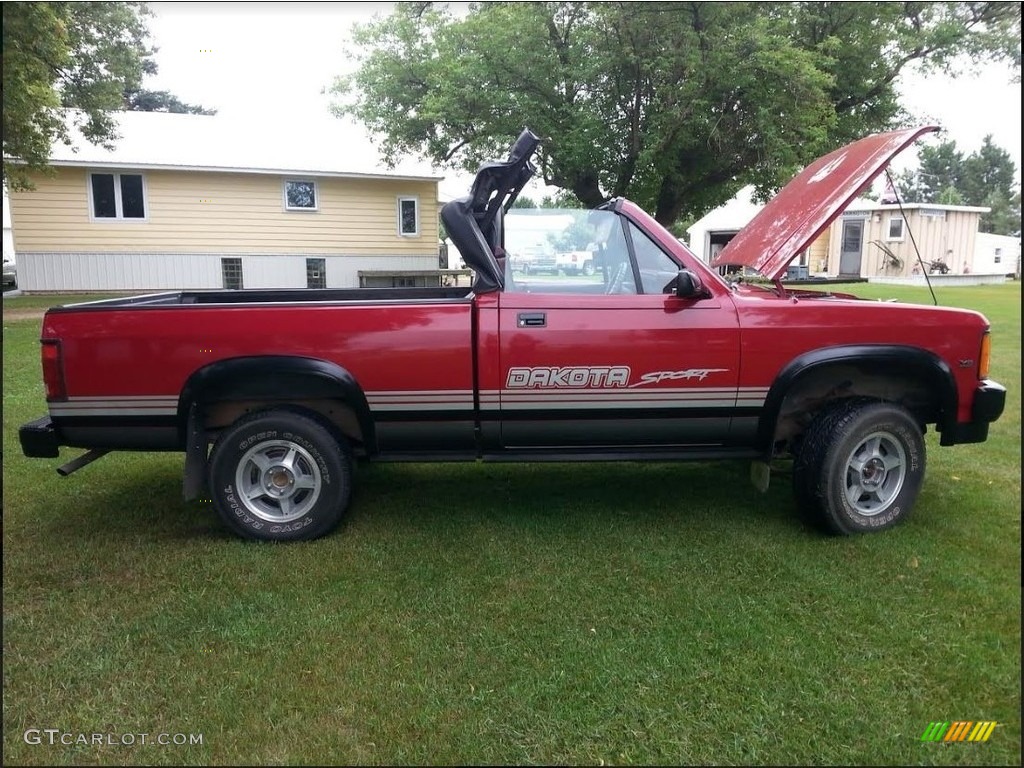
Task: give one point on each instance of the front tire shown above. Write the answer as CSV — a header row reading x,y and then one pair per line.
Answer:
x,y
280,476
860,467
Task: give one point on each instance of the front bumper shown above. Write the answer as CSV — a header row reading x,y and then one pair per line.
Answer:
x,y
988,405
39,439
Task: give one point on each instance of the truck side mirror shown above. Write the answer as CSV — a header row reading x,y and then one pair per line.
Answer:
x,y
686,285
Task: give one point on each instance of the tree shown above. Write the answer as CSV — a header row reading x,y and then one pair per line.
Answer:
x,y
563,198
676,105
989,170
950,196
909,185
80,55
524,202
1004,218
986,177
142,100
941,168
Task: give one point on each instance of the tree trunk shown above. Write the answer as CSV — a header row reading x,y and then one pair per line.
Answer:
x,y
586,187
670,202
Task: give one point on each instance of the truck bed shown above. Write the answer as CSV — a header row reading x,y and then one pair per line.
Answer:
x,y
275,296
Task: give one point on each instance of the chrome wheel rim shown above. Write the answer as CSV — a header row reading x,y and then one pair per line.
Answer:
x,y
875,471
278,481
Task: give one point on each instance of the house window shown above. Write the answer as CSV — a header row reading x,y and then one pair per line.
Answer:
x,y
117,196
997,259
231,273
408,216
316,273
300,195
895,228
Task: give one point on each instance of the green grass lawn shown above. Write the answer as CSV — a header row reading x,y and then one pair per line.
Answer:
x,y
45,301
538,613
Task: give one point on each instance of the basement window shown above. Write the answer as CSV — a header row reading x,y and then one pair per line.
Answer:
x,y
117,196
316,273
231,273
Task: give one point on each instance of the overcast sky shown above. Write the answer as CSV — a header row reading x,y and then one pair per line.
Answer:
x,y
274,61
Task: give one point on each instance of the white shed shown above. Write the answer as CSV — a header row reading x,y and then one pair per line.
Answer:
x,y
995,254
710,233
8,232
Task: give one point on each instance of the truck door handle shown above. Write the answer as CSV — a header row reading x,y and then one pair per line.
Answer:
x,y
532,320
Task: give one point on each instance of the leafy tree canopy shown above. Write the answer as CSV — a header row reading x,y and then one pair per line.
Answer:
x,y
986,177
675,105
524,202
89,56
561,199
142,100
56,55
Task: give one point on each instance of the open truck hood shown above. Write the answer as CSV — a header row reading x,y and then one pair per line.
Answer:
x,y
811,201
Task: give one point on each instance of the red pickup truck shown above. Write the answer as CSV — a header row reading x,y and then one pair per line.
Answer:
x,y
654,356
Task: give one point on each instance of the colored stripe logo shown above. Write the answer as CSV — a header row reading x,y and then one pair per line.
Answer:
x,y
960,730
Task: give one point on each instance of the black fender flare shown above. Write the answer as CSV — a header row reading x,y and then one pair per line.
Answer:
x,y
276,377
890,358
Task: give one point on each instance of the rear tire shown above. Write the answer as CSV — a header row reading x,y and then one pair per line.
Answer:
x,y
860,467
280,476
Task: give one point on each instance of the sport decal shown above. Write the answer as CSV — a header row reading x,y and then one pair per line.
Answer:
x,y
690,373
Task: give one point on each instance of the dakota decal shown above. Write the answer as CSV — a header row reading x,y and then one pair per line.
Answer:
x,y
690,373
568,378
590,377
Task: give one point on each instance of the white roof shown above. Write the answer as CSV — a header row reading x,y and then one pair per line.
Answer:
x,y
864,204
738,212
734,214
324,146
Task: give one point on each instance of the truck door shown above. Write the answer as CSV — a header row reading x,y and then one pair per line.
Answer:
x,y
609,359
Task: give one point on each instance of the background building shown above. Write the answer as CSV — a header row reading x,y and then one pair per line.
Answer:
x,y
873,241
194,201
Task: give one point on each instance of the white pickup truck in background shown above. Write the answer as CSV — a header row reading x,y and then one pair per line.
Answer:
x,y
575,262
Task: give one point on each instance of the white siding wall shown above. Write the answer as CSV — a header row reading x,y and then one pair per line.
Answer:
x,y
731,217
985,255
950,238
8,244
176,271
8,232
343,272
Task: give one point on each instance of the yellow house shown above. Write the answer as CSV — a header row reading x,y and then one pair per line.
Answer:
x,y
194,201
